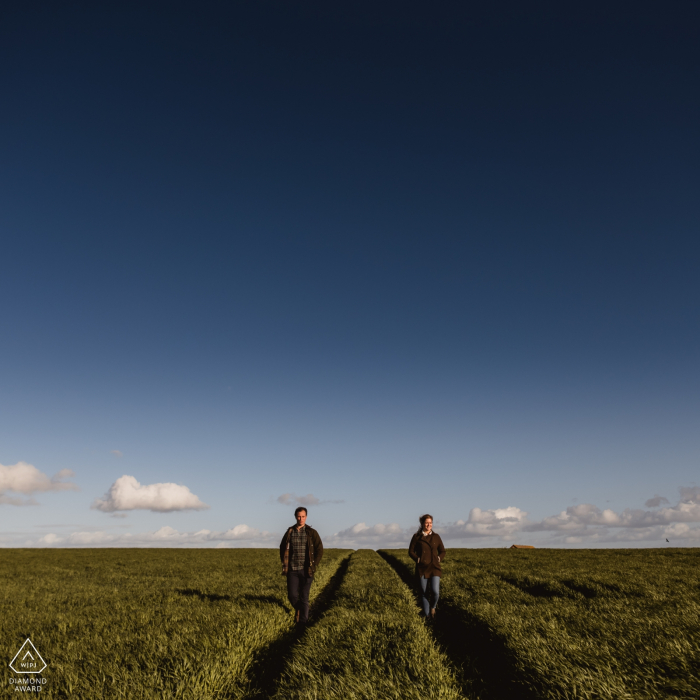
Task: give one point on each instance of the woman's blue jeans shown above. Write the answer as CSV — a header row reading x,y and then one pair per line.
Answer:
x,y
435,588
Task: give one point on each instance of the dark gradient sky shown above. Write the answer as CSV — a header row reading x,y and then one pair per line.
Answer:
x,y
405,256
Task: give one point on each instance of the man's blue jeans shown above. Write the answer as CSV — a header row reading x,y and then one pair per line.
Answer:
x,y
435,588
298,587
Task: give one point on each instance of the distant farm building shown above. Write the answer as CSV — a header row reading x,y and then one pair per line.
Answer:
x,y
521,546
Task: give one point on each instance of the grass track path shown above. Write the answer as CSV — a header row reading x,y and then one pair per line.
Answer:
x,y
370,644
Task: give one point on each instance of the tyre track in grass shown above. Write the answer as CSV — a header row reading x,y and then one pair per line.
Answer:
x,y
484,663
270,663
368,644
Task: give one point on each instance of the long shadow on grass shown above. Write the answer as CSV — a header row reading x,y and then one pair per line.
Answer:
x,y
484,664
271,661
269,599
216,597
210,597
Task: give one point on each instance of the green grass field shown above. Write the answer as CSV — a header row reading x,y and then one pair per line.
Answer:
x,y
159,623
174,623
583,624
370,643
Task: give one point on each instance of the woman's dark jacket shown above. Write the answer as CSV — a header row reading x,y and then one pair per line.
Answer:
x,y
314,551
428,552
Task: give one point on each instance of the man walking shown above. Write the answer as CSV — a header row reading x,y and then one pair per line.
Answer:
x,y
301,550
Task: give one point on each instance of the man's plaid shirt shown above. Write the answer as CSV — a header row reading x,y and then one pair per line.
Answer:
x,y
297,549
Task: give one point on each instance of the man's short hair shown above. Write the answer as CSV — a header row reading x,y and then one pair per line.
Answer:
x,y
299,509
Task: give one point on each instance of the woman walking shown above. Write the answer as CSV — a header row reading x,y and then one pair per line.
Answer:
x,y
427,550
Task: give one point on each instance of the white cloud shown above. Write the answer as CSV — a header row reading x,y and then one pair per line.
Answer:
x,y
574,517
677,534
87,539
290,499
690,494
656,501
681,531
15,501
580,524
117,453
586,514
50,539
27,479
240,535
365,531
64,474
500,522
588,523
126,493
240,532
362,535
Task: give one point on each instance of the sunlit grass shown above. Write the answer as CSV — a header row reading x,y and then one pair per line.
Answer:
x,y
370,644
173,623
120,623
582,623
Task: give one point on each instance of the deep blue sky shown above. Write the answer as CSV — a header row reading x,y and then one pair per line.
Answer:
x,y
408,257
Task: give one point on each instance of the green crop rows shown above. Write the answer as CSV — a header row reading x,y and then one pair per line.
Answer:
x,y
371,643
550,624
573,624
165,623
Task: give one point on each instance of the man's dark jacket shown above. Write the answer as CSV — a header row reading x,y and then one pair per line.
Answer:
x,y
428,552
314,551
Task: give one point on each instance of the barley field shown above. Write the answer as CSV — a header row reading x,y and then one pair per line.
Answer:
x,y
174,623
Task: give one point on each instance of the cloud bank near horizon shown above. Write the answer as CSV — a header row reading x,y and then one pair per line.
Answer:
x,y
586,522
166,536
583,524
